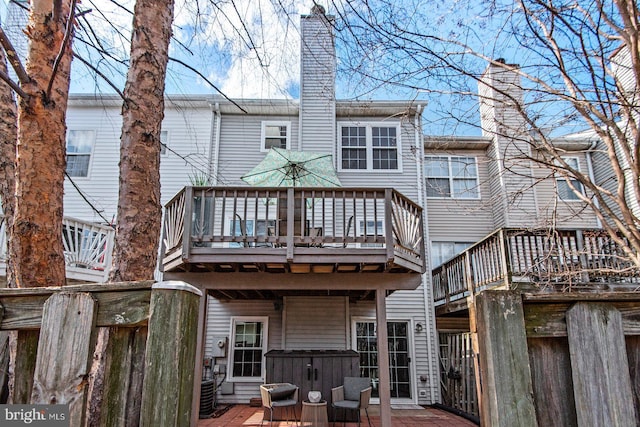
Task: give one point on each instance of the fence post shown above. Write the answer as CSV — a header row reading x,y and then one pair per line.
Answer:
x,y
167,390
64,352
507,389
600,368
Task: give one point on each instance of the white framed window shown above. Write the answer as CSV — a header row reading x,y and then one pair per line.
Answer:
x,y
164,141
276,134
247,348
565,192
79,150
369,147
371,230
453,177
442,252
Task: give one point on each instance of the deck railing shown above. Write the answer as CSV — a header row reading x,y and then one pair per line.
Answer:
x,y
252,217
564,259
87,249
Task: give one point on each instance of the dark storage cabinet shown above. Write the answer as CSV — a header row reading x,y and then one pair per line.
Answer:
x,y
312,370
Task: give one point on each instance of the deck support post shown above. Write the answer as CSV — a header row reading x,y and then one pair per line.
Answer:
x,y
507,389
383,358
202,330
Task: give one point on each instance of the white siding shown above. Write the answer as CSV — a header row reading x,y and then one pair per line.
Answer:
x,y
315,323
189,133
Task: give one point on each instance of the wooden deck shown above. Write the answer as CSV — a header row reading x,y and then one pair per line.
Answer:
x,y
293,230
246,416
534,261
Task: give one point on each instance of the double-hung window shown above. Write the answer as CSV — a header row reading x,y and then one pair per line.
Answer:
x,y
442,252
164,140
565,192
369,147
79,149
248,345
451,177
276,134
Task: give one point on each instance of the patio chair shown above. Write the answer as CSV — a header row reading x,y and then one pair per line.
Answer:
x,y
354,395
279,395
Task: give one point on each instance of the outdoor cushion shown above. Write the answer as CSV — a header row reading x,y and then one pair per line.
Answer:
x,y
282,392
347,404
284,402
353,386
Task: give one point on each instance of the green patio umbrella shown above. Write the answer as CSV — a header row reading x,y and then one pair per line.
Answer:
x,y
286,168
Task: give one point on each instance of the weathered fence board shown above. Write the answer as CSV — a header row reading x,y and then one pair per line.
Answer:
x,y
124,370
64,350
27,348
507,398
601,381
118,304
633,354
170,355
52,363
552,386
549,320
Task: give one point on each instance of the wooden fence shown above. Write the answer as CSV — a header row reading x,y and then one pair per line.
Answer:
x,y
150,356
457,372
558,359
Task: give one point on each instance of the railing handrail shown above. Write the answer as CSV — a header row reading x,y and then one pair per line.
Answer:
x,y
84,253
558,255
215,215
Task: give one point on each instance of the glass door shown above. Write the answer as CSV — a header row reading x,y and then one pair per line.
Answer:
x,y
367,347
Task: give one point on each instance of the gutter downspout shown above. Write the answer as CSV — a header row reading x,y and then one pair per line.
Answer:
x,y
592,176
426,282
214,145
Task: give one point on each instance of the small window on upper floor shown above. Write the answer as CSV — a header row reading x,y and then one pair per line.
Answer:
x,y
164,140
565,184
79,149
453,177
276,134
369,147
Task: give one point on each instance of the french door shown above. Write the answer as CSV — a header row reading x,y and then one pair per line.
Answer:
x,y
399,359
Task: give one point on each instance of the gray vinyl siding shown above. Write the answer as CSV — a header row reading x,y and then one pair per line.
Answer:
x,y
317,84
240,144
219,316
501,120
462,220
410,305
566,214
314,323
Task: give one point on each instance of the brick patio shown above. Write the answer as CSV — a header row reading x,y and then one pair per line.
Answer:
x,y
247,416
